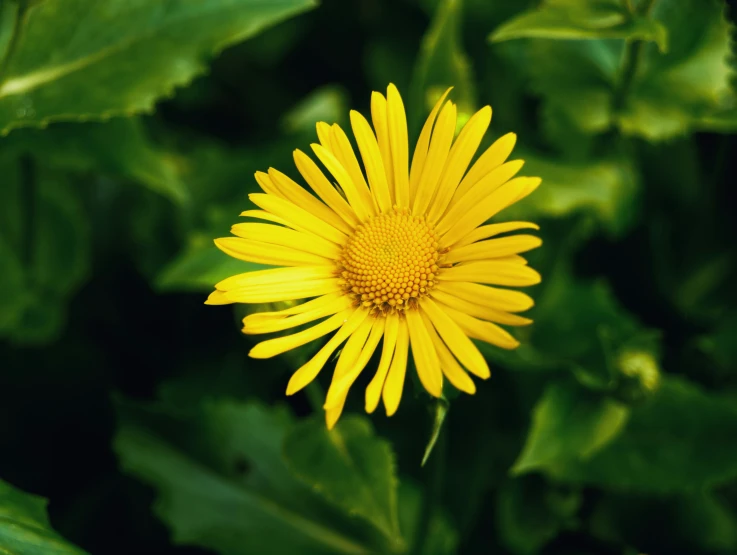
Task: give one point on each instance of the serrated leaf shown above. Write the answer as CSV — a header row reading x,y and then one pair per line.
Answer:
x,y
62,67
670,94
228,489
569,423
25,528
682,440
691,80
581,19
442,63
351,467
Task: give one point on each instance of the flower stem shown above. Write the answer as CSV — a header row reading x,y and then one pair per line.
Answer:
x,y
630,59
433,490
315,396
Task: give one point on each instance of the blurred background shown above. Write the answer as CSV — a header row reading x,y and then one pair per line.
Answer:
x,y
130,134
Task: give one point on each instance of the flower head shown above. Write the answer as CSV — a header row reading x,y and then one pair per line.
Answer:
x,y
389,253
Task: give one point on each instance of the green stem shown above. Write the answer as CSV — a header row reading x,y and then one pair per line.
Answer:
x,y
315,396
630,60
433,491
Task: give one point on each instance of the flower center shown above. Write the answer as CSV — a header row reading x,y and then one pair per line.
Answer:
x,y
390,261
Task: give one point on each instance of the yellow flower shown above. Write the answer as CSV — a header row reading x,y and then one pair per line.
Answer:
x,y
393,251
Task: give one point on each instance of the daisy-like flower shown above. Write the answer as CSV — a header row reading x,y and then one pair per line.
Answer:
x,y
388,253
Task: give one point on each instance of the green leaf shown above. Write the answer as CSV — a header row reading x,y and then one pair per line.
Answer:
x,y
579,326
61,67
674,91
442,63
227,487
669,94
12,286
119,148
530,513
25,528
45,249
720,344
440,538
569,423
351,468
61,241
581,19
723,121
328,104
693,523
606,188
200,266
681,440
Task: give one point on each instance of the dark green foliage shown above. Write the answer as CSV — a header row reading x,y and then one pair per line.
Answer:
x,y
131,130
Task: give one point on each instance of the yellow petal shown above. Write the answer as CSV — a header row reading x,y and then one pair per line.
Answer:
x,y
479,311
273,347
478,329
486,231
296,215
463,150
492,158
297,195
455,338
263,215
217,298
323,188
485,187
275,292
348,320
493,248
340,174
344,153
276,276
372,160
374,389
276,235
381,125
333,414
267,185
442,137
295,309
493,272
351,364
424,355
491,297
323,134
487,208
263,253
399,144
394,385
451,368
270,325
423,142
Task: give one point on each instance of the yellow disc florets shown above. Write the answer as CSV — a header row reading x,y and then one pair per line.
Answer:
x,y
390,261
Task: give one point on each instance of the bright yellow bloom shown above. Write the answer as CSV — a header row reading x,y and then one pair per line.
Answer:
x,y
388,251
